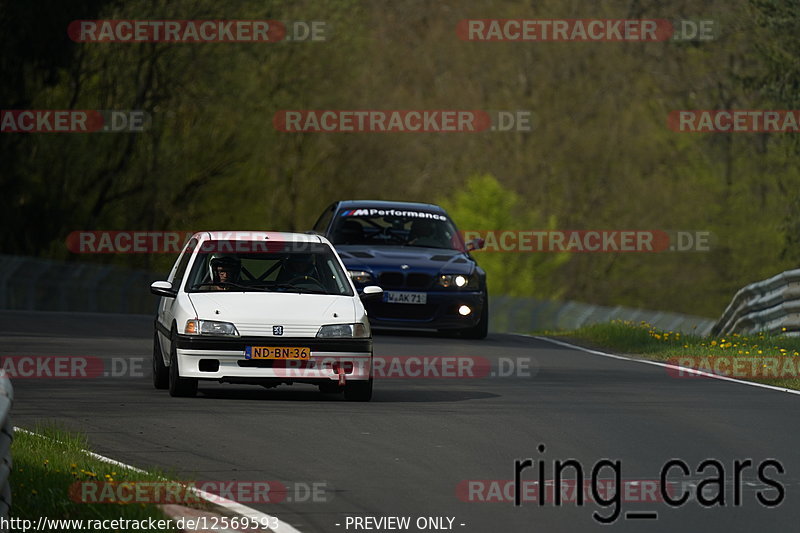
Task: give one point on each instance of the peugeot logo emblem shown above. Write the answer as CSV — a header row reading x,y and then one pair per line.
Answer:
x,y
404,267
277,330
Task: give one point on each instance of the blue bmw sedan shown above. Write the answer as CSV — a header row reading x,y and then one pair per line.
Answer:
x,y
416,254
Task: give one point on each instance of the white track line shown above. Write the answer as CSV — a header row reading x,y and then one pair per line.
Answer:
x,y
232,506
658,363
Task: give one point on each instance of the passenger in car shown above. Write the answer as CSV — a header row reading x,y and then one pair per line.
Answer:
x,y
425,232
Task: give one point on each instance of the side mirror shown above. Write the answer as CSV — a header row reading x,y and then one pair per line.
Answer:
x,y
475,244
371,293
163,288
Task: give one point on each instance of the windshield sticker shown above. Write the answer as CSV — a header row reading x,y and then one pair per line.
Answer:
x,y
390,212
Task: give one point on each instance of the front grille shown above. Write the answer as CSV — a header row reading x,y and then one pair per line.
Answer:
x,y
402,311
391,280
418,281
399,280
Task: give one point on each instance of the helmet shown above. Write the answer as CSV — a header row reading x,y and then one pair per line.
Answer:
x,y
299,265
228,263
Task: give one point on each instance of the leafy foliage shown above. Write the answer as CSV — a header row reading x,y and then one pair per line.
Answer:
x,y
600,155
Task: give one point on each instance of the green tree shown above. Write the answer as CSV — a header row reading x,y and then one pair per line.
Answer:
x,y
483,204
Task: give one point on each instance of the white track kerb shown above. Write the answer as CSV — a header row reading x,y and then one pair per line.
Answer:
x,y
658,363
234,507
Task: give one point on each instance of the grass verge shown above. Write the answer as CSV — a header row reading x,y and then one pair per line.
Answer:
x,y
762,358
48,463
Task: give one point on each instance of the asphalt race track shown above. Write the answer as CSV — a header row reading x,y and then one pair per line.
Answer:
x,y
407,452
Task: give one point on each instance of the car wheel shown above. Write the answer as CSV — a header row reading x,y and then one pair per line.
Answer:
x,y
481,329
178,386
160,371
358,391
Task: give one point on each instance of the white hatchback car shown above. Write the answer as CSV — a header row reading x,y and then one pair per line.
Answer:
x,y
262,308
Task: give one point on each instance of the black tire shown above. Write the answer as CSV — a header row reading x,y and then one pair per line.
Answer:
x,y
358,391
481,329
178,386
160,371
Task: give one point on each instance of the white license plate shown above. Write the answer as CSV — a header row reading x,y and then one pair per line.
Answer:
x,y
405,297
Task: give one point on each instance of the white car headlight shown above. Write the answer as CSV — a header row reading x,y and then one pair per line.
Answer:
x,y
210,327
344,330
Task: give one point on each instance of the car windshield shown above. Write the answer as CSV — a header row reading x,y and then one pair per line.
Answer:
x,y
386,227
308,268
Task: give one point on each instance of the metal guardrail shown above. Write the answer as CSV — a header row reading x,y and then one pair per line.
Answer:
x,y
32,284
6,436
514,315
770,306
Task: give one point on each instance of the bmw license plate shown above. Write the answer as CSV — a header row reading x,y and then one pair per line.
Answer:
x,y
405,297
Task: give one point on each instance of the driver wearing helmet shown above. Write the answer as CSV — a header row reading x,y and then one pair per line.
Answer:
x,y
224,269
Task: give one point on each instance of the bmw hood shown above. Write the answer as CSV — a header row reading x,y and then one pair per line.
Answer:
x,y
431,260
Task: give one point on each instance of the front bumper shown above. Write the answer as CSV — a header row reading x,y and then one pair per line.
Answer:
x,y
223,359
440,311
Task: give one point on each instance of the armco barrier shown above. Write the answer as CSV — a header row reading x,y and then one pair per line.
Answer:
x,y
508,315
32,284
6,435
770,305
43,285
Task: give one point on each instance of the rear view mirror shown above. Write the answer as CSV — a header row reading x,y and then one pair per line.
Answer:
x,y
371,293
163,288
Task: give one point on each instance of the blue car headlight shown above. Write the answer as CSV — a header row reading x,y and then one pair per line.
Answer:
x,y
362,277
457,281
